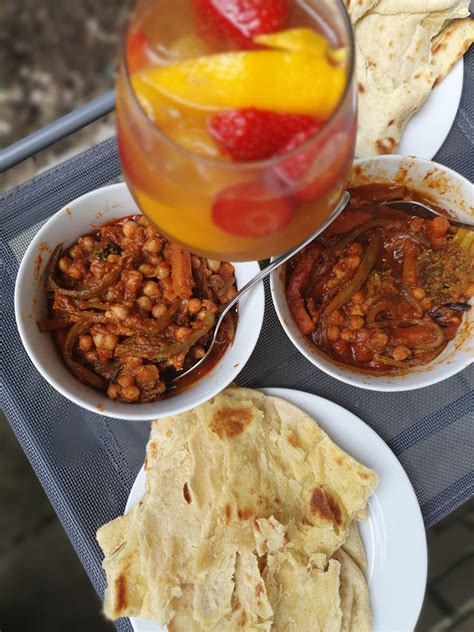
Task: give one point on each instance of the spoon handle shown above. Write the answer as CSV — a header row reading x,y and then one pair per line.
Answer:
x,y
278,261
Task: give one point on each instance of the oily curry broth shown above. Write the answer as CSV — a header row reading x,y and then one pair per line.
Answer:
x,y
382,290
129,311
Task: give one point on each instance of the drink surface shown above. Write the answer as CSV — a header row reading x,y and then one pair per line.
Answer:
x,y
236,121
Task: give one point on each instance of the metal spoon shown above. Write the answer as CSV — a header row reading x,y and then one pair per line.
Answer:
x,y
426,212
278,261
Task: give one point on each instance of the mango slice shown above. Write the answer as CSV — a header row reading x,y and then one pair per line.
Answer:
x,y
280,81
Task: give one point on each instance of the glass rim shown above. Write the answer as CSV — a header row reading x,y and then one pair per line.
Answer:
x,y
251,164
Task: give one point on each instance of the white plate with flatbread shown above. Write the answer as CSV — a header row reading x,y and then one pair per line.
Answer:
x,y
429,127
394,533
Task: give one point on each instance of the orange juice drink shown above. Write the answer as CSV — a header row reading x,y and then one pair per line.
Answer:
x,y
236,120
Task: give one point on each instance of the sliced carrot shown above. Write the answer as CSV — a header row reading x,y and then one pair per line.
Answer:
x,y
347,221
409,269
181,274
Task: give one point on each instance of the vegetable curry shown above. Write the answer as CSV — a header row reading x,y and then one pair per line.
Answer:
x,y
129,310
382,290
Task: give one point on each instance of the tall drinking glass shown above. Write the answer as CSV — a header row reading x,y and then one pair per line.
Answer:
x,y
186,76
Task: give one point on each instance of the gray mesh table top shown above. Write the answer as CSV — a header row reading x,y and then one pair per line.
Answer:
x,y
87,463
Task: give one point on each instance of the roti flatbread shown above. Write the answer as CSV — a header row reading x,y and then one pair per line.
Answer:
x,y
244,495
398,62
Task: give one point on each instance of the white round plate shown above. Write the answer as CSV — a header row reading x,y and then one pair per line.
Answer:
x,y
428,128
394,534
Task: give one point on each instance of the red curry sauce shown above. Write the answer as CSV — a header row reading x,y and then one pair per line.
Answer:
x,y
380,289
130,311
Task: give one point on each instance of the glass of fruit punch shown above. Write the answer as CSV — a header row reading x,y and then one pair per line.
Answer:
x,y
236,120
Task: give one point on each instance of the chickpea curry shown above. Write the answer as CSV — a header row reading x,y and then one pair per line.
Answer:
x,y
129,310
382,290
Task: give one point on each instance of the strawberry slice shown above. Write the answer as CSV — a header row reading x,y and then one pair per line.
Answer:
x,y
242,20
247,211
136,51
315,170
249,134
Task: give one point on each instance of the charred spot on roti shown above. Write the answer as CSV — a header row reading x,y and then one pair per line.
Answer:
x,y
152,449
319,505
230,422
121,593
385,145
361,87
245,513
145,465
243,618
259,589
228,513
325,505
187,494
293,440
335,507
362,475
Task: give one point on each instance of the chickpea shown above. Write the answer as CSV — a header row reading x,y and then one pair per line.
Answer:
x,y
151,231
378,340
199,352
147,376
362,335
76,251
143,221
356,310
355,248
358,298
213,265
346,335
145,303
119,311
163,270
419,293
87,243
98,339
341,347
64,263
353,262
336,318
86,343
439,226
332,283
109,342
125,381
129,228
333,333
76,271
151,288
427,303
339,272
194,305
159,310
113,258
195,262
133,362
130,393
133,279
400,352
356,322
229,295
113,391
153,245
182,333
147,270
155,260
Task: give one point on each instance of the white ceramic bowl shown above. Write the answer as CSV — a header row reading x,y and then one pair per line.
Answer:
x,y
76,219
451,191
